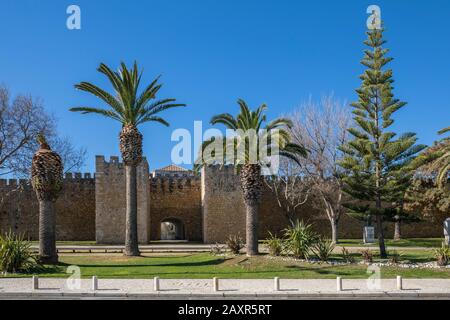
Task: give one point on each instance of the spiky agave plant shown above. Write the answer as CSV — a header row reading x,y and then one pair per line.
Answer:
x,y
47,181
251,147
131,109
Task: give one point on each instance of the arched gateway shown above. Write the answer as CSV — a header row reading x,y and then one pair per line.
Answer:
x,y
172,229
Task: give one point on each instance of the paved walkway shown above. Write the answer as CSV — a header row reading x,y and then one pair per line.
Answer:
x,y
21,288
148,248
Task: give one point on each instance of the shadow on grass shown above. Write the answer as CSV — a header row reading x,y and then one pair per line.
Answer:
x,y
175,264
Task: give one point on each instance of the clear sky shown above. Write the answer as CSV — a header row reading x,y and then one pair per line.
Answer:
x,y
211,52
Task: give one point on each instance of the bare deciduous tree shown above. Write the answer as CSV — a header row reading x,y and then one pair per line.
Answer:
x,y
290,187
322,128
21,119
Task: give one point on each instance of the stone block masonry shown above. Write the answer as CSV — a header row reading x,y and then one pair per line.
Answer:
x,y
223,213
110,201
176,199
75,208
209,208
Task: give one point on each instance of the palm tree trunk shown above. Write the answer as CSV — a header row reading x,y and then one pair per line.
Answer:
x,y
252,208
47,233
131,237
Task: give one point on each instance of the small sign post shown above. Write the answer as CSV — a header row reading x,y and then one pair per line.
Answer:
x,y
447,231
369,235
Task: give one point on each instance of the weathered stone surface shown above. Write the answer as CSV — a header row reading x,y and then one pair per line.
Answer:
x,y
210,208
178,199
110,201
75,208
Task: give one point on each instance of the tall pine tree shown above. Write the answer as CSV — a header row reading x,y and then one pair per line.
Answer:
x,y
377,161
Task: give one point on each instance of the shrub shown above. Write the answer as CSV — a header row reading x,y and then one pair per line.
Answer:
x,y
216,249
346,255
394,257
367,255
15,254
300,239
274,244
323,249
235,244
442,254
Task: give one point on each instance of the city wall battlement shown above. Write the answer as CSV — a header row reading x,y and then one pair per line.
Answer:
x,y
208,207
70,177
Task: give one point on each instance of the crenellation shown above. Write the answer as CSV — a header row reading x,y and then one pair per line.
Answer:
x,y
75,209
114,160
170,184
110,200
209,206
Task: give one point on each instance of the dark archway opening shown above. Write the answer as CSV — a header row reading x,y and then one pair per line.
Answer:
x,y
172,229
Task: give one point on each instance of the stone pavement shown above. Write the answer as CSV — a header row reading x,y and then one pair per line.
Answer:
x,y
51,288
149,248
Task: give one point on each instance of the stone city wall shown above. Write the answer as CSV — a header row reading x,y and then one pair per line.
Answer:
x,y
210,208
224,213
176,198
110,201
75,208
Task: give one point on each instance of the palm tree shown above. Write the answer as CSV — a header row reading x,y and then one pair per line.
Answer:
x,y
441,163
47,180
130,109
247,147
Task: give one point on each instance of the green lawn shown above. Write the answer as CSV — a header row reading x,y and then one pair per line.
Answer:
x,y
204,265
416,242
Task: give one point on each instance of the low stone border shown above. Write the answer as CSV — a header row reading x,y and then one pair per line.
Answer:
x,y
423,265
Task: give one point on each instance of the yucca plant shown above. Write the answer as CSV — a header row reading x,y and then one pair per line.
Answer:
x,y
300,239
251,147
235,243
367,255
323,248
442,254
16,254
347,256
395,256
274,244
131,108
47,181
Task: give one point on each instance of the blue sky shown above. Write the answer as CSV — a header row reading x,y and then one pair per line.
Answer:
x,y
211,52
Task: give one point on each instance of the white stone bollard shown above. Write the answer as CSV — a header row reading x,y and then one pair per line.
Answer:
x,y
216,284
94,283
399,283
276,284
156,283
35,283
339,284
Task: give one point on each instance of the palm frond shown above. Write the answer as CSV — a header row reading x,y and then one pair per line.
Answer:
x,y
106,113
